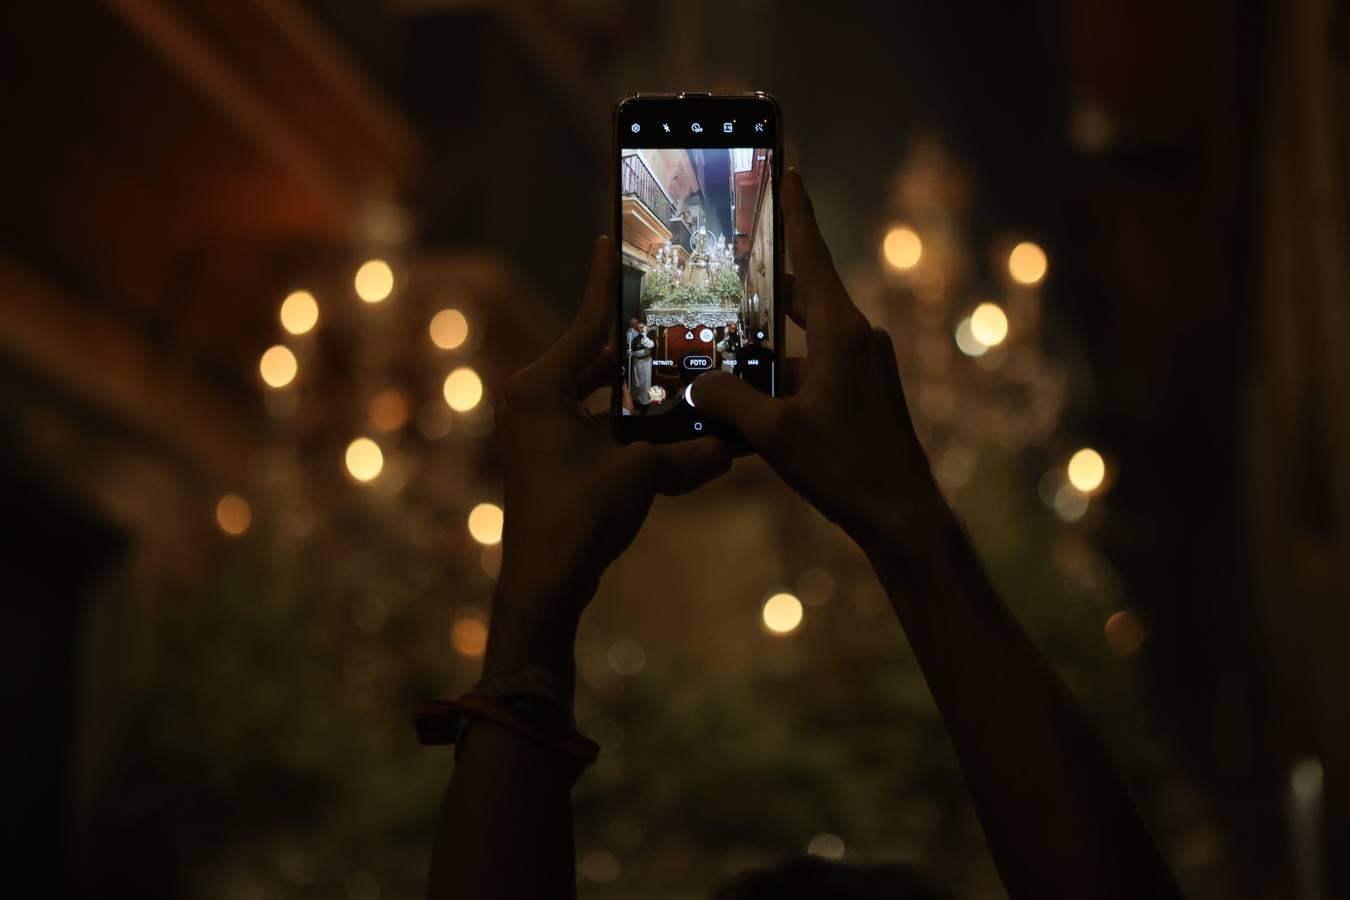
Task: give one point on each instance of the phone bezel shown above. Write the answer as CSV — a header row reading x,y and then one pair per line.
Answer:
x,y
684,423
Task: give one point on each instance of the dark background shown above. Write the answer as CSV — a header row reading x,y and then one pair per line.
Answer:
x,y
199,714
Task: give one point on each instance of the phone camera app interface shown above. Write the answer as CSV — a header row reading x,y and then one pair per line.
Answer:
x,y
698,271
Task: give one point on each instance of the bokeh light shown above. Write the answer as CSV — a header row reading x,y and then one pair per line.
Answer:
x,y
364,459
782,613
1307,779
485,523
388,410
361,885
1049,486
599,676
627,657
989,324
299,312
297,867
449,329
1027,263
463,389
233,515
599,865
966,341
869,598
1124,633
374,281
469,632
606,732
815,587
278,366
490,560
1086,470
827,846
902,247
433,420
369,612
627,829
1070,504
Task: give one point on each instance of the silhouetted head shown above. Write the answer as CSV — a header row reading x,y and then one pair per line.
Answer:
x,y
813,878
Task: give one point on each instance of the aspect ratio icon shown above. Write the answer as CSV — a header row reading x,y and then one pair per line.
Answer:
x,y
696,128
726,126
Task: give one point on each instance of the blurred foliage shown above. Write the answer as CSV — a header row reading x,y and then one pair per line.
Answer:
x,y
273,751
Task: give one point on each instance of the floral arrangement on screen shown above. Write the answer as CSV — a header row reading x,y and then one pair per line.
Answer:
x,y
664,290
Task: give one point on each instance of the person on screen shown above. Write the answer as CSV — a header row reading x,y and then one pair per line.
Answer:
x,y
756,362
640,367
634,329
1057,819
729,346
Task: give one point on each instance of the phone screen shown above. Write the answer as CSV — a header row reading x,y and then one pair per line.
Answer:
x,y
699,233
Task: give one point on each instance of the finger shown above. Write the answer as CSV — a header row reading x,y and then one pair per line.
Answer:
x,y
811,261
886,376
883,351
586,336
600,372
726,398
674,469
795,369
796,308
827,303
886,367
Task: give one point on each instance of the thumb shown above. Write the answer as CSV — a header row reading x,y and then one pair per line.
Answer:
x,y
725,398
676,468
688,465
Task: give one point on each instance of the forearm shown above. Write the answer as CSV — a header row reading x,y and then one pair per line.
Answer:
x,y
1057,818
506,825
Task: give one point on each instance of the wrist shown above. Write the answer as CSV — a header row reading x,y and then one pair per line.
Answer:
x,y
534,623
547,562
909,529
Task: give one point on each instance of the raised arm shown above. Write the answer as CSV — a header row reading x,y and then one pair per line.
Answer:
x,y
574,500
1054,812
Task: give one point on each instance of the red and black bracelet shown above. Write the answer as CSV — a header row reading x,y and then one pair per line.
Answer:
x,y
442,722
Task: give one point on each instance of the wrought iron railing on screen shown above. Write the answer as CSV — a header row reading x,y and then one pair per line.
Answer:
x,y
637,181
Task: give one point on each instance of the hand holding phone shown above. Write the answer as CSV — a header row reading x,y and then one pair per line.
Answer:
x,y
844,441
574,497
700,262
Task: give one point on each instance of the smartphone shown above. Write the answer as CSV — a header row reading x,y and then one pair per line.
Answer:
x,y
696,181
